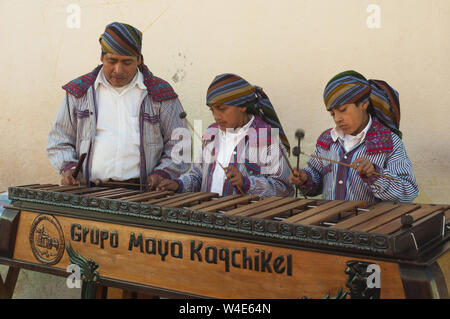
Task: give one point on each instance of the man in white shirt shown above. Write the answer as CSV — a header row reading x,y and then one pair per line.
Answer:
x,y
121,116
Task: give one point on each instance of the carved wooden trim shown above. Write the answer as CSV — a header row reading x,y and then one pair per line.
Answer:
x,y
210,223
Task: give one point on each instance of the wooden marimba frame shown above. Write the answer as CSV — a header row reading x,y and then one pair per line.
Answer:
x,y
239,246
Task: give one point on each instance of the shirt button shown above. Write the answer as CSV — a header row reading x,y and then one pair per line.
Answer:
x,y
345,156
340,182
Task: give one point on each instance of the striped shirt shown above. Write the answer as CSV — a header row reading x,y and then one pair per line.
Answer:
x,y
385,151
264,169
74,130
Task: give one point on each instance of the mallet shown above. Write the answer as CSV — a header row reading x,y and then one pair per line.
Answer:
x,y
296,151
348,165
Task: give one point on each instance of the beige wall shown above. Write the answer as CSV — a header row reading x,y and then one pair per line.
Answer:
x,y
291,48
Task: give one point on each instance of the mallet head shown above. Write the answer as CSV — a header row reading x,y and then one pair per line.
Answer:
x,y
299,134
183,115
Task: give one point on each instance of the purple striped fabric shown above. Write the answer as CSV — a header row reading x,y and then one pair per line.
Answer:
x,y
335,181
151,118
66,166
70,137
122,39
199,177
82,113
157,88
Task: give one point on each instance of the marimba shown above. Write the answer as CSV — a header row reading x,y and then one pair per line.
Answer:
x,y
239,246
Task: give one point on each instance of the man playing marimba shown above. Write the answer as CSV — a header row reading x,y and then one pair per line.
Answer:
x,y
234,146
366,140
120,115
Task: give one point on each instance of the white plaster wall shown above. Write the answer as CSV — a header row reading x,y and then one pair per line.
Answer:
x,y
291,48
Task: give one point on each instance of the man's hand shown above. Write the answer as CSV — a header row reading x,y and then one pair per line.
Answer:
x,y
298,178
235,176
167,185
67,178
153,181
364,166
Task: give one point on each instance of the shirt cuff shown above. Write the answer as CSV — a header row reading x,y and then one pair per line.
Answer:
x,y
246,184
161,173
180,185
308,185
67,166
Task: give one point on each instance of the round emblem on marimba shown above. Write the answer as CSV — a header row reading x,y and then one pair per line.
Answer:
x,y
47,239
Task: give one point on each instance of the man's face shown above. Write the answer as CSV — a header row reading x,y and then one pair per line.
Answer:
x,y
351,119
119,69
228,116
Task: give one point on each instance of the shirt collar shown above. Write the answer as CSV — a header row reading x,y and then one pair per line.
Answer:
x,y
337,133
138,80
239,131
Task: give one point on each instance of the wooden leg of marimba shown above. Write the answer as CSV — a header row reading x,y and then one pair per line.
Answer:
x,y
118,293
2,288
146,296
101,292
7,287
115,293
104,292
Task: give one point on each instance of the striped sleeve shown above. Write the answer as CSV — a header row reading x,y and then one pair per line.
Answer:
x,y
397,165
170,120
274,184
314,184
61,148
191,181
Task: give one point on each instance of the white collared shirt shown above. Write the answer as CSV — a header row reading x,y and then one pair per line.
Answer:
x,y
227,143
116,145
349,142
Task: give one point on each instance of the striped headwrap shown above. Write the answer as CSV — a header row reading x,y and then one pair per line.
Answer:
x,y
351,87
121,39
231,89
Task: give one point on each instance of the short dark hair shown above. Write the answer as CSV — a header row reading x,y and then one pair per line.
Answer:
x,y
250,107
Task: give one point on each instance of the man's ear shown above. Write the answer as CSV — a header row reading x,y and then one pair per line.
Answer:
x,y
139,62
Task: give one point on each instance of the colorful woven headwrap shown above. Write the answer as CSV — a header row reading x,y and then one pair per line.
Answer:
x,y
231,89
351,87
121,39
